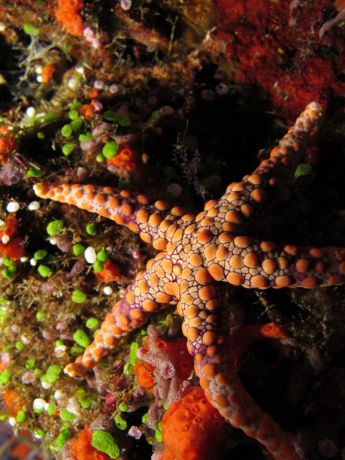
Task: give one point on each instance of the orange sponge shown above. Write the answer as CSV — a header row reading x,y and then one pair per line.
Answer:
x,y
192,428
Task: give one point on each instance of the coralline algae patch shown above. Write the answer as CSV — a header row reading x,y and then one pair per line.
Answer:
x,y
59,270
290,49
49,313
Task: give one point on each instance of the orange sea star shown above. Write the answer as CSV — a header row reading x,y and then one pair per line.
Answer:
x,y
199,251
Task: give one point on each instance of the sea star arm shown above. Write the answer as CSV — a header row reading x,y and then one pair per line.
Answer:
x,y
151,291
151,219
244,199
207,341
254,263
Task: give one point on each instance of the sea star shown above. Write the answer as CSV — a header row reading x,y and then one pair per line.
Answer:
x,y
196,253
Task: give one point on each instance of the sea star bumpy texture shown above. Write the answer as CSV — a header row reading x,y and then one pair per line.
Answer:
x,y
196,253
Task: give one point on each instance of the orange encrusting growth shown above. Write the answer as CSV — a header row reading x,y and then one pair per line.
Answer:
x,y
261,37
68,15
47,73
8,143
13,401
87,111
109,273
14,248
125,159
192,428
177,350
144,374
340,4
21,451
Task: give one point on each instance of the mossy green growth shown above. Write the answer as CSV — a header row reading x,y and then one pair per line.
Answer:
x,y
102,256
75,105
92,323
21,416
81,338
41,315
39,433
67,131
159,433
3,314
79,296
90,229
128,369
76,350
49,117
8,262
73,114
30,29
98,266
54,227
67,416
44,270
303,169
62,437
5,376
52,374
76,124
8,273
34,172
40,254
85,401
67,149
30,363
110,149
19,346
80,393
78,249
88,402
120,422
123,407
104,442
84,137
51,409
133,353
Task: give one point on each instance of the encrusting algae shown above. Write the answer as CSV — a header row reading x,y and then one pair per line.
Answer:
x,y
169,100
